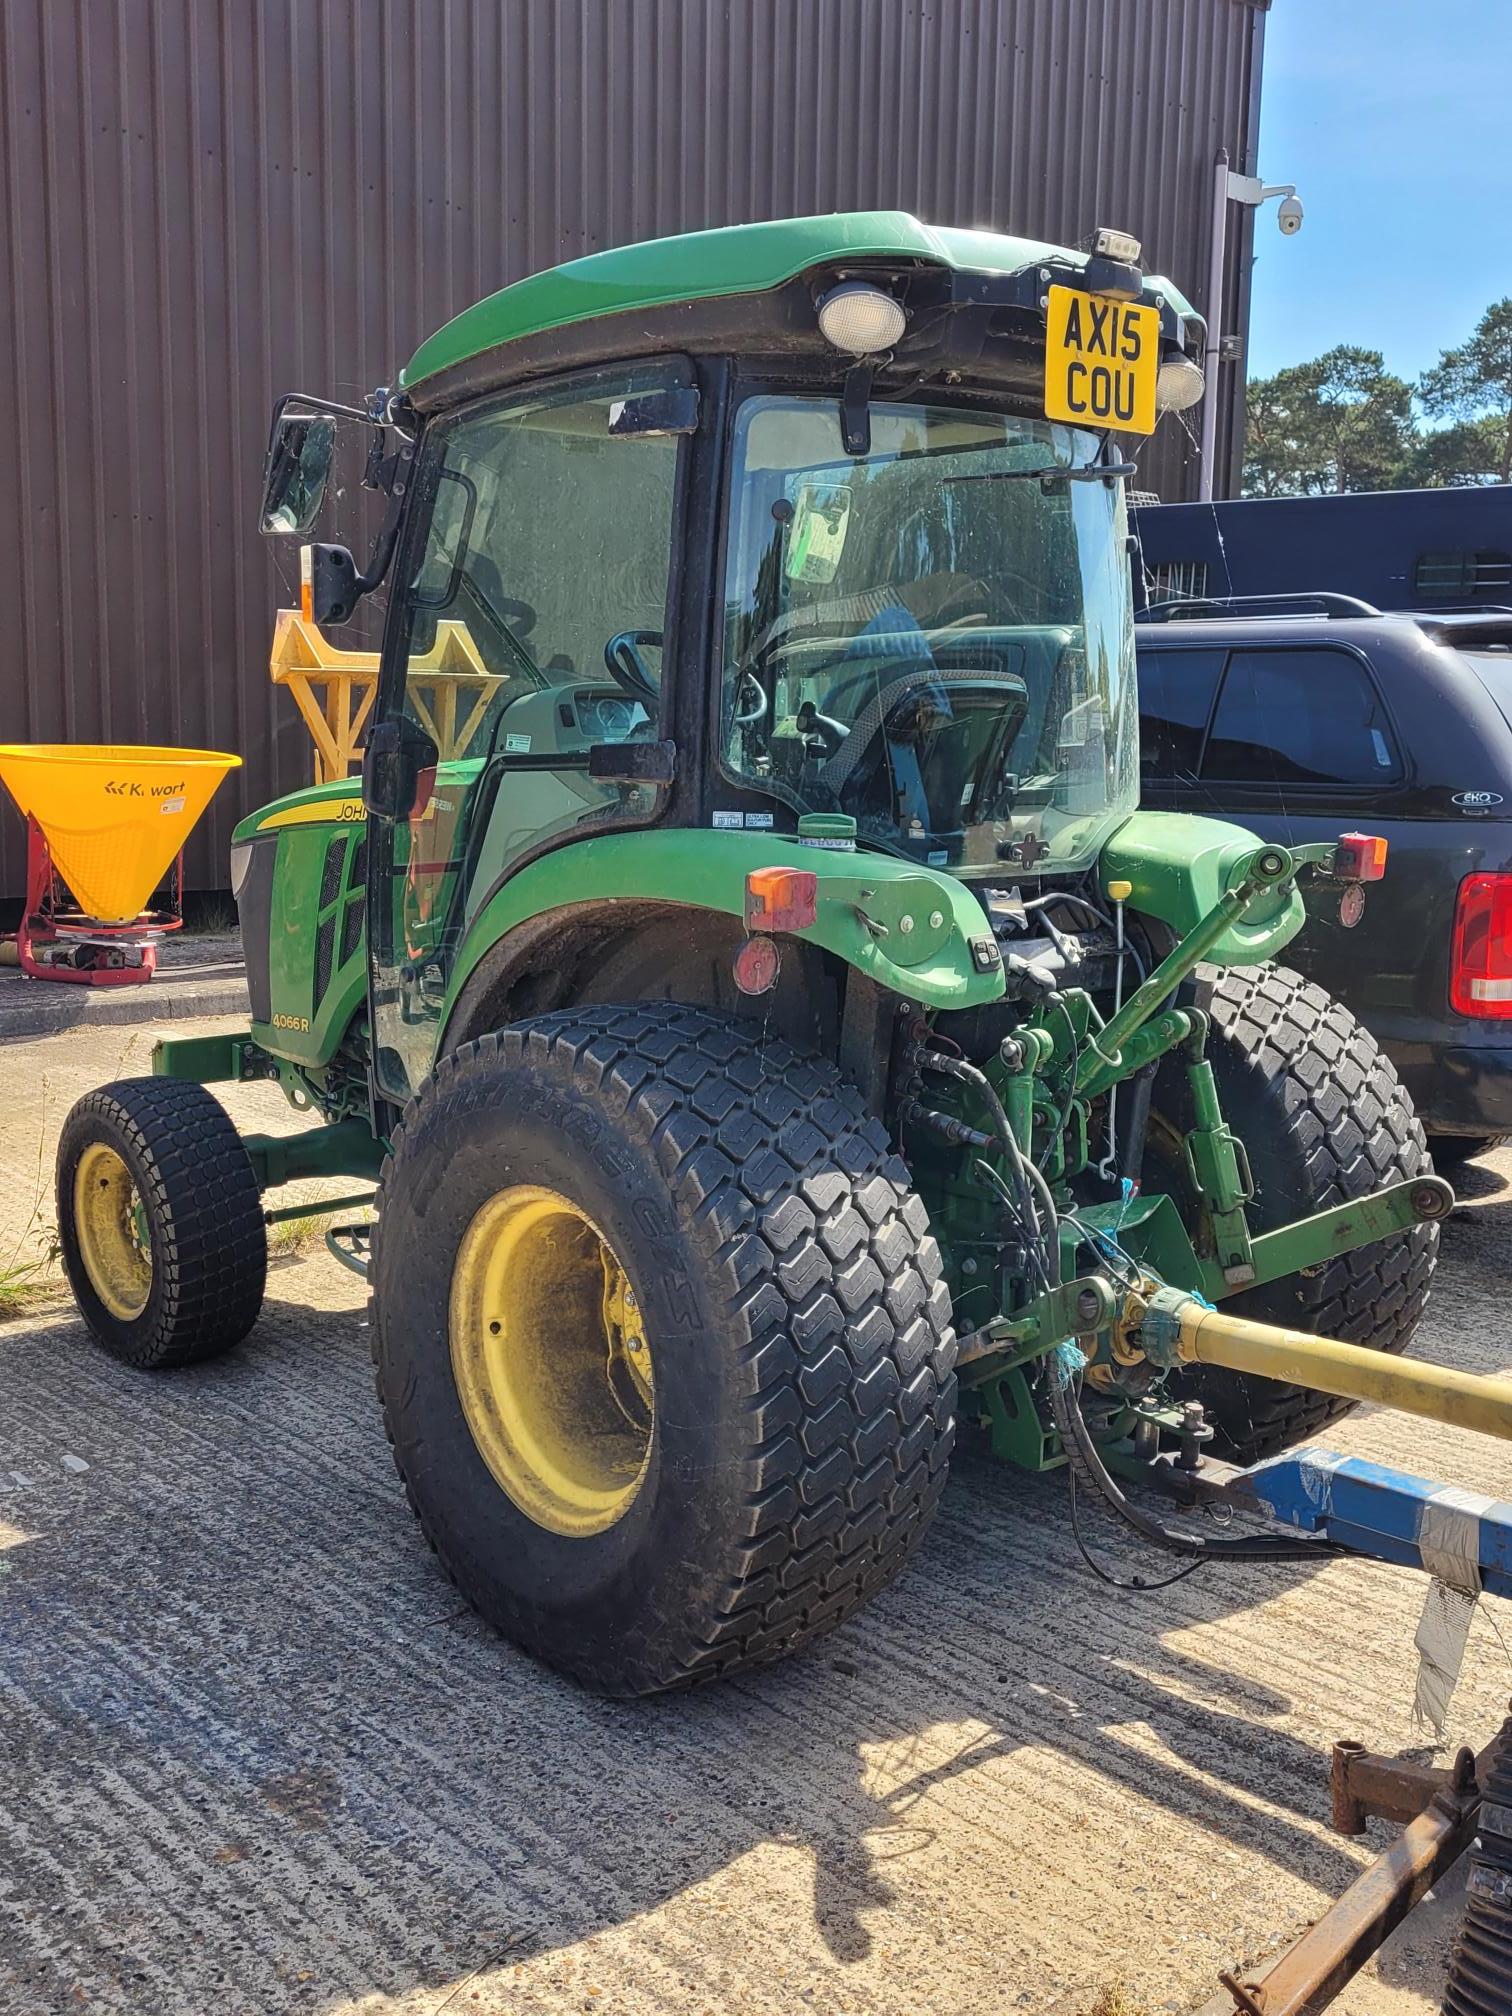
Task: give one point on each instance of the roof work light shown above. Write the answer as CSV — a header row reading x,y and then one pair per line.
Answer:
x,y
863,320
1178,384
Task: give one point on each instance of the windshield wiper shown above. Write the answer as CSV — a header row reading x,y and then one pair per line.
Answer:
x,y
1090,472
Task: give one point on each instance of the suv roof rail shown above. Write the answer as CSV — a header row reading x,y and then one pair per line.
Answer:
x,y
1320,602
1460,609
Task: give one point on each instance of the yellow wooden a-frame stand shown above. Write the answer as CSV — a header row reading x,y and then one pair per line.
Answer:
x,y
448,689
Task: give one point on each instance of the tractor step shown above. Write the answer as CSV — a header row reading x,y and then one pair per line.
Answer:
x,y
352,1245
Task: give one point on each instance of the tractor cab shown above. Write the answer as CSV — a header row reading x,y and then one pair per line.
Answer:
x,y
811,529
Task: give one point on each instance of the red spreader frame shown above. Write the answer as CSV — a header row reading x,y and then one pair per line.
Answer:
x,y
57,942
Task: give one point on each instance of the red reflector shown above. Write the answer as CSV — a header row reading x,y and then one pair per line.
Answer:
x,y
1480,979
1360,857
781,899
757,964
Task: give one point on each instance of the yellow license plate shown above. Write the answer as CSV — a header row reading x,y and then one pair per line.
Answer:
x,y
1101,361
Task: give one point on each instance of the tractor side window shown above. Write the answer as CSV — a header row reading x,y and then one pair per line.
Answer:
x,y
544,573
533,621
1300,718
1176,691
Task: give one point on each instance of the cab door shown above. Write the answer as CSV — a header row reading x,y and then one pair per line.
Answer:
x,y
529,626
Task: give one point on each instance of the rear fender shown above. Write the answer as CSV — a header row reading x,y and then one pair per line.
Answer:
x,y
916,933
1181,864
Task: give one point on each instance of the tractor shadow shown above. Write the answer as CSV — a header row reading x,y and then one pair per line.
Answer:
x,y
1475,1181
262,1758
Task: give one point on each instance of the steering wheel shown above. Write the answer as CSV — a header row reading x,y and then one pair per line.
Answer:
x,y
627,668
751,702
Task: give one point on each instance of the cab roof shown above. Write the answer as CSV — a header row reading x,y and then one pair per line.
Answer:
x,y
708,265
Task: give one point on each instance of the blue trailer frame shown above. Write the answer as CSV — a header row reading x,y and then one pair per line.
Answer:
x,y
1386,1515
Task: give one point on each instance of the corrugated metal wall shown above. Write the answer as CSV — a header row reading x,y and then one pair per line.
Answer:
x,y
207,202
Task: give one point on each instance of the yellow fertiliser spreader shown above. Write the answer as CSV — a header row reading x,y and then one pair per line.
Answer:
x,y
109,822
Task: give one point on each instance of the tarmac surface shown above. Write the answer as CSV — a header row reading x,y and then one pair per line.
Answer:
x,y
199,974
255,1756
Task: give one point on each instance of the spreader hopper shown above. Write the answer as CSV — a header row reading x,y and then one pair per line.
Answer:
x,y
109,820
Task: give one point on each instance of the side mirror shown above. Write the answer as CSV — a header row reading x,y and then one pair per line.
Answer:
x,y
396,756
298,466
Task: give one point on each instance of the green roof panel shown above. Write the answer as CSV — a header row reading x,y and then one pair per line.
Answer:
x,y
702,265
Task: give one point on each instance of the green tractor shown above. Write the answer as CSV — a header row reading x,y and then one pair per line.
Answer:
x,y
773,1027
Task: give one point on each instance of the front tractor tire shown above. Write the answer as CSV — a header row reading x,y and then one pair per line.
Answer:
x,y
160,1222
661,1339
1323,1117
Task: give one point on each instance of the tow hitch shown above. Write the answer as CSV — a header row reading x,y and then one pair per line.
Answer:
x,y
1464,1540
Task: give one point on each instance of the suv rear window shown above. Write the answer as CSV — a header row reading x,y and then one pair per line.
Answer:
x,y
1299,717
1175,699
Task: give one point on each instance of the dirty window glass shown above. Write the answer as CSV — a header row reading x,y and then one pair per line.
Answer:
x,y
934,637
535,616
1300,717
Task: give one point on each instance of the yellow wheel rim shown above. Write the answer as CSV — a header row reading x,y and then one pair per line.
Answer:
x,y
553,1369
111,1223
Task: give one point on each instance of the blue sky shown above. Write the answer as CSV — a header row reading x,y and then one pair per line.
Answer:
x,y
1391,116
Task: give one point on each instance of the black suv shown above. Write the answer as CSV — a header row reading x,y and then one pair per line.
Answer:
x,y
1301,717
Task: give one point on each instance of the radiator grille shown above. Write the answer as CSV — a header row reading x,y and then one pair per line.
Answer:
x,y
351,926
324,945
330,881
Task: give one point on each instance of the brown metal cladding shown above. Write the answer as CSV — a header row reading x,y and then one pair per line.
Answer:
x,y
204,203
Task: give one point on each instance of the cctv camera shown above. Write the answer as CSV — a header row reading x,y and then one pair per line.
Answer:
x,y
1289,216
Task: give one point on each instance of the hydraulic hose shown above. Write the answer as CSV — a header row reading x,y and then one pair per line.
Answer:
x,y
981,1084
1082,1454
1081,1450
1023,1170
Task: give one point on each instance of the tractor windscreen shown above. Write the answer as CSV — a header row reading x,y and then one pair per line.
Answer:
x,y
935,637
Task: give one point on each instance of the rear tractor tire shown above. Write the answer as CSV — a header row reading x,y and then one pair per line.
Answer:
x,y
661,1339
160,1222
1323,1117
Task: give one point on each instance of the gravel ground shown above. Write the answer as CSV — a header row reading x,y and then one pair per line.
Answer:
x,y
254,1757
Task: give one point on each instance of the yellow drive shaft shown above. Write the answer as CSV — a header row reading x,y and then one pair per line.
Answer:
x,y
1462,1399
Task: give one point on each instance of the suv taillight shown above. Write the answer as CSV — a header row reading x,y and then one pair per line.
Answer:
x,y
1480,978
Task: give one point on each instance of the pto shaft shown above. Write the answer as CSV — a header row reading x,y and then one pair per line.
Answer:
x,y
1462,1399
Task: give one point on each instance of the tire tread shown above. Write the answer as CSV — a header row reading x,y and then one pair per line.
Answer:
x,y
1315,1072
197,1183
808,1218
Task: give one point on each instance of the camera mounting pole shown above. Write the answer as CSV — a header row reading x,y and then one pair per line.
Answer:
x,y
1252,192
